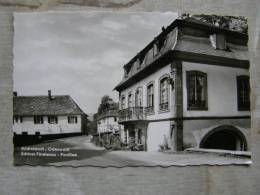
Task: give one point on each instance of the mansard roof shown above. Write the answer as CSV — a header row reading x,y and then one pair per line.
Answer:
x,y
43,105
187,40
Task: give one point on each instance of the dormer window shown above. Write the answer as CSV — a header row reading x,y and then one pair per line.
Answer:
x,y
127,70
218,41
155,48
141,59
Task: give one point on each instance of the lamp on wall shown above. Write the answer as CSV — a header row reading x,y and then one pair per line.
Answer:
x,y
171,78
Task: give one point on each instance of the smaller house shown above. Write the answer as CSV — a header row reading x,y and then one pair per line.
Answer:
x,y
108,122
46,116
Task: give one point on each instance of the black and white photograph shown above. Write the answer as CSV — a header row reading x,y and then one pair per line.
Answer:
x,y
111,89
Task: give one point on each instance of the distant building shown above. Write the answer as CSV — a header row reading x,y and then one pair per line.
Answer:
x,y
49,115
189,87
108,122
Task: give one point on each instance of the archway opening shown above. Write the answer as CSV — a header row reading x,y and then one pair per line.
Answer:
x,y
224,138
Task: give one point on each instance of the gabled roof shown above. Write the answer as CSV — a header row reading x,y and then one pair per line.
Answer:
x,y
43,105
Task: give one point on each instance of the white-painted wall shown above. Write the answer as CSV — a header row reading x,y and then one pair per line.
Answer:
x,y
157,132
107,124
155,77
61,127
222,90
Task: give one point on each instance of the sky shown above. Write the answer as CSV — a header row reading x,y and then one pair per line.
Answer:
x,y
80,54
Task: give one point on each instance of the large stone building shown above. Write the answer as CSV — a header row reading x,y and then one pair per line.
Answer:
x,y
46,117
189,87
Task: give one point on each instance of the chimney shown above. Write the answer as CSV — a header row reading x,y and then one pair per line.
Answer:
x,y
163,29
15,93
49,94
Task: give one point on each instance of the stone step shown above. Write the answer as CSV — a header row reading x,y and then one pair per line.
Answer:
x,y
246,154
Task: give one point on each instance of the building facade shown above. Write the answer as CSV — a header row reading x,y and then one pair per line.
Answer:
x,y
108,122
46,116
189,87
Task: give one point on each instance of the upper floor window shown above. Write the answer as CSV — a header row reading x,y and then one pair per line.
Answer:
x,y
127,70
38,119
16,119
52,119
164,94
218,41
197,90
150,97
138,97
72,119
243,93
130,100
123,102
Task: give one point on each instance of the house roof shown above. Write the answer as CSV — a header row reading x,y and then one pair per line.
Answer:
x,y
188,37
43,105
108,113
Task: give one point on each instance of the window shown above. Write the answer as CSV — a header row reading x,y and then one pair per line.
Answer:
x,y
155,49
15,119
115,119
218,41
150,97
243,93
138,97
130,100
123,102
52,119
38,119
197,90
127,70
164,94
72,119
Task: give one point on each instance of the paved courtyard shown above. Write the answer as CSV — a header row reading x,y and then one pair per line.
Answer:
x,y
88,154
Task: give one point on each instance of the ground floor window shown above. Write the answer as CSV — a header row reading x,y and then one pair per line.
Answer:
x,y
72,119
53,119
38,119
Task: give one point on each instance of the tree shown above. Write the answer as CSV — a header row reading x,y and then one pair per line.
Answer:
x,y
106,103
229,22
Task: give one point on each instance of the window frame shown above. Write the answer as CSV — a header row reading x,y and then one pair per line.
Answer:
x,y
150,108
137,91
132,101
189,74
71,117
36,121
161,106
53,117
239,106
121,101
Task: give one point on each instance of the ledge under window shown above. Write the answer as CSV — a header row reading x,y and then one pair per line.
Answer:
x,y
197,108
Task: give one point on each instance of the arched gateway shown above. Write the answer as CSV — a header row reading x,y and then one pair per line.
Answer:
x,y
224,137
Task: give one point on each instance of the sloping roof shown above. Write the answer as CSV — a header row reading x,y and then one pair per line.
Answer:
x,y
190,36
43,105
202,45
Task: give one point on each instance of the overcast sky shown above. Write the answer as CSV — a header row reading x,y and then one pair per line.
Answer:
x,y
80,54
